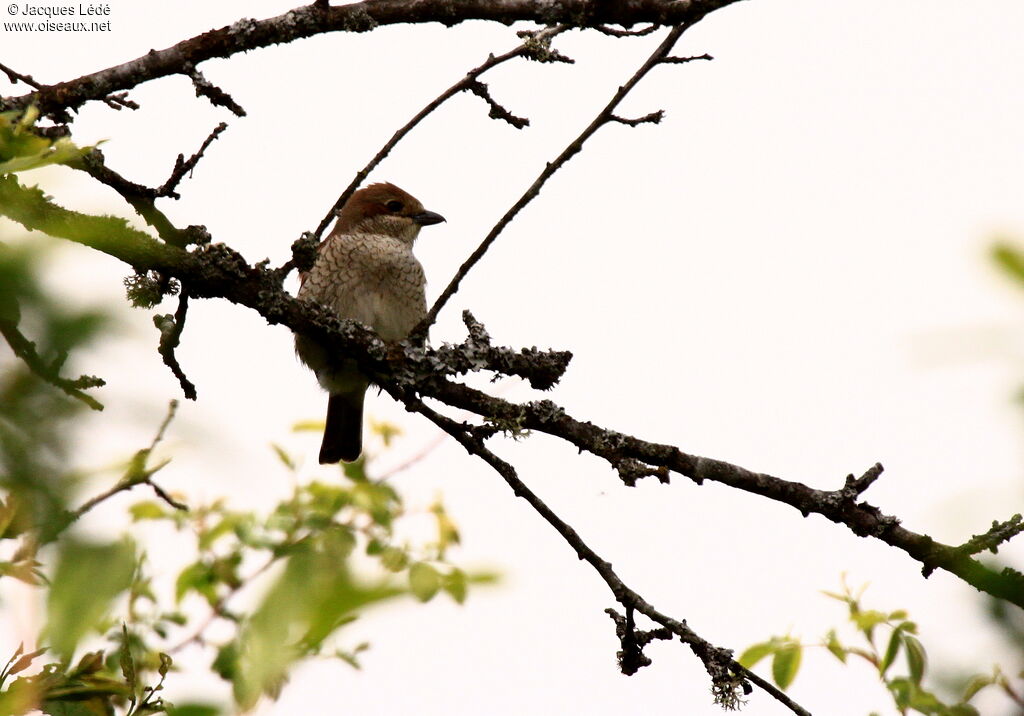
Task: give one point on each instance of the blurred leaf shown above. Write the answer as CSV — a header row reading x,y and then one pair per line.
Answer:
x,y
387,431
148,510
917,658
976,684
21,149
126,661
961,710
308,426
25,661
394,559
196,577
193,710
87,579
283,456
786,663
313,596
866,621
891,651
424,581
447,532
96,706
753,654
1010,259
834,646
455,584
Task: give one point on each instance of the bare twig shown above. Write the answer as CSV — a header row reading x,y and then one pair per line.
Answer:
x,y
18,77
684,60
205,88
605,116
611,31
118,100
183,166
497,111
654,117
469,82
170,336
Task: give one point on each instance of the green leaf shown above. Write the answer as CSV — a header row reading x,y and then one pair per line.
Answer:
x,y
786,663
961,710
196,577
901,689
148,510
917,658
1010,259
424,581
127,661
166,662
891,651
455,583
753,654
394,559
308,426
867,621
834,646
87,579
193,710
313,597
925,701
976,684
286,459
96,706
21,149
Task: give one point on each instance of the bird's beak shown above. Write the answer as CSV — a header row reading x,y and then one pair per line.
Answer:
x,y
427,218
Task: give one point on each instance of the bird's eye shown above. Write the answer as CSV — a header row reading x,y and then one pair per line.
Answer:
x,y
394,205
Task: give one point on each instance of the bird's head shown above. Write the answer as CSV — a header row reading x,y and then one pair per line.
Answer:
x,y
384,209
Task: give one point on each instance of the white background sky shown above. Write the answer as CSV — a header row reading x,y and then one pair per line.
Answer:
x,y
789,273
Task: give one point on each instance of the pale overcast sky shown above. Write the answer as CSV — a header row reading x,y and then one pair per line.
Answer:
x,y
789,273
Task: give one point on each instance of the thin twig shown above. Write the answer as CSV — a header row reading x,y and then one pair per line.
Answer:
x,y
183,167
469,82
716,660
205,88
18,77
118,100
605,116
611,31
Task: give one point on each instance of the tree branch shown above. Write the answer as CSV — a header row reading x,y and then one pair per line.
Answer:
x,y
727,675
318,18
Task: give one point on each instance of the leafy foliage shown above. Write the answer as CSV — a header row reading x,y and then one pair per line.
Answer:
x,y
322,555
882,638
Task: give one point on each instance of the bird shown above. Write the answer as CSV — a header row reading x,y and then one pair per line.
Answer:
x,y
364,270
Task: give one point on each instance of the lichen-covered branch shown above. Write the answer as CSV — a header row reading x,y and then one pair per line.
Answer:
x,y
319,17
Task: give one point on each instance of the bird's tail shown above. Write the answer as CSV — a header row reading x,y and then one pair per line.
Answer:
x,y
343,433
